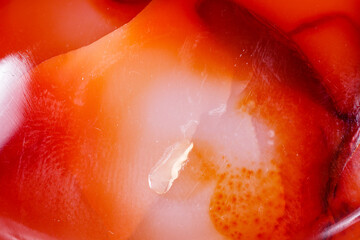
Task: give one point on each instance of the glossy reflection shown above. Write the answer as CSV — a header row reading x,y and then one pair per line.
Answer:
x,y
13,84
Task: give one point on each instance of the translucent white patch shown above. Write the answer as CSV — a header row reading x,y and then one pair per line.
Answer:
x,y
189,128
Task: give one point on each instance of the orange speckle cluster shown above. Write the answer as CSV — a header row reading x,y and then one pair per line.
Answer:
x,y
248,204
245,203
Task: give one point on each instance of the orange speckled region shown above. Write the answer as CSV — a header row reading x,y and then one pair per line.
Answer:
x,y
248,204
